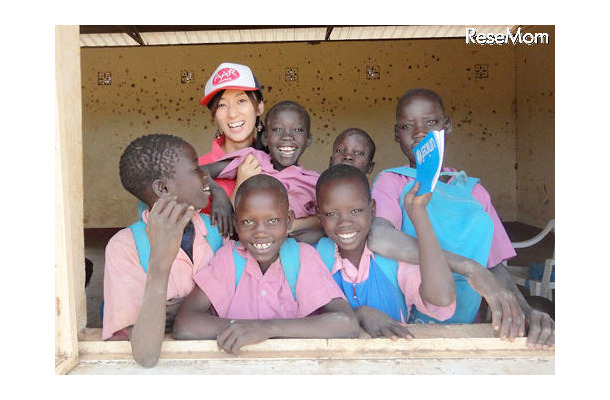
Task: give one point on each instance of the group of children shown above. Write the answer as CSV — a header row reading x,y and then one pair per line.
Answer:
x,y
311,256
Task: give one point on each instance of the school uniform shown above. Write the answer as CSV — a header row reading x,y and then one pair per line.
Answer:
x,y
266,296
215,154
300,183
386,192
367,285
125,279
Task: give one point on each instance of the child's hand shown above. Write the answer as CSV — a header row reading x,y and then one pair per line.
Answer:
x,y
378,324
221,211
248,167
166,222
171,310
416,205
237,334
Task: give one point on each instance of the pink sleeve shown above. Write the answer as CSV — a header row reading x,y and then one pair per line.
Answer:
x,y
124,282
409,279
501,247
386,192
217,280
230,171
315,287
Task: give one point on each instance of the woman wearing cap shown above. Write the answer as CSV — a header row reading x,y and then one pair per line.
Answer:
x,y
235,99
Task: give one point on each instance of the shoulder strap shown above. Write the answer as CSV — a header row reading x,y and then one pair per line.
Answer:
x,y
213,236
138,229
404,170
326,249
389,268
289,258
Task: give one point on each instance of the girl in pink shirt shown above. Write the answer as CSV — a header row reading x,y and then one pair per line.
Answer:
x,y
263,304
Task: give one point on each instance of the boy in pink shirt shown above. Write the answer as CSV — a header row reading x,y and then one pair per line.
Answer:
x,y
266,285
346,211
417,112
141,300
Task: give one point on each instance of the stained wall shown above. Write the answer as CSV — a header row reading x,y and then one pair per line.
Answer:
x,y
146,96
535,87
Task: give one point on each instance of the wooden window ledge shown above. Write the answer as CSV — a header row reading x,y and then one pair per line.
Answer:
x,y
437,349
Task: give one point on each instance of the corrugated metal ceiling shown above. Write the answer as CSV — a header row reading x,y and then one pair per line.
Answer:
x,y
162,35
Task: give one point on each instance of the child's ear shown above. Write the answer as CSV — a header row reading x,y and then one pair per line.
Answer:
x,y
370,167
289,220
308,140
159,187
396,139
373,208
448,126
264,137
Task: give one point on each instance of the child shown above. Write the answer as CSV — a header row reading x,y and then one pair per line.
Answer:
x,y
346,211
418,112
287,135
266,285
355,147
142,294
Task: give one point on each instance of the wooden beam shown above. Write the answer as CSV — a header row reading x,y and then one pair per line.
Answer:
x,y
437,349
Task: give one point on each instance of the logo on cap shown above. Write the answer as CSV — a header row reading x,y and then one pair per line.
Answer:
x,y
225,75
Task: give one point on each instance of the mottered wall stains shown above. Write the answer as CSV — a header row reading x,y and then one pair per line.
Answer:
x,y
535,87
342,85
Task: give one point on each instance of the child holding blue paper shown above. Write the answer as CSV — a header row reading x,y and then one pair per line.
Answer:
x,y
381,291
418,112
266,285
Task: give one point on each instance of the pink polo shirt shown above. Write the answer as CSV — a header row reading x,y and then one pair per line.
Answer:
x,y
124,278
266,296
300,183
409,279
386,192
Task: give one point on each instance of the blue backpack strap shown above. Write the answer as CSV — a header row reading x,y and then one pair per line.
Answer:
x,y
138,229
289,258
389,268
141,207
326,249
213,236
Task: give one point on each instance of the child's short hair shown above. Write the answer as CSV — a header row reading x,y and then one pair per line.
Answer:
x,y
290,105
147,158
261,183
343,172
360,132
419,92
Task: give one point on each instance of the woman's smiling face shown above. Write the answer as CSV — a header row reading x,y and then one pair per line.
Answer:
x,y
235,114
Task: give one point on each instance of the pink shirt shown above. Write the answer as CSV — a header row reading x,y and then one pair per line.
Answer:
x,y
124,278
266,296
300,183
386,192
409,279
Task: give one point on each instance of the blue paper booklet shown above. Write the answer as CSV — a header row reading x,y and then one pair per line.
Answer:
x,y
429,160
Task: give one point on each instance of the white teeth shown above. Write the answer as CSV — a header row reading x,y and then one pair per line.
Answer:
x,y
236,124
261,246
287,150
347,235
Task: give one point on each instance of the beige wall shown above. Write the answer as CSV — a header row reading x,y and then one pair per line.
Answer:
x,y
535,66
146,96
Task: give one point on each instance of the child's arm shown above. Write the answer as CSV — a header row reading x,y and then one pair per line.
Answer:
x,y
393,243
437,285
221,212
194,321
335,319
379,324
166,222
215,168
307,229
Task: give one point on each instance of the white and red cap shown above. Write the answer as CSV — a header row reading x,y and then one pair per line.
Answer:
x,y
229,76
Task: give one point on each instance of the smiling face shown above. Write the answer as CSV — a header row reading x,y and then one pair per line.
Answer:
x,y
287,136
262,221
235,114
346,214
352,149
415,117
190,184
